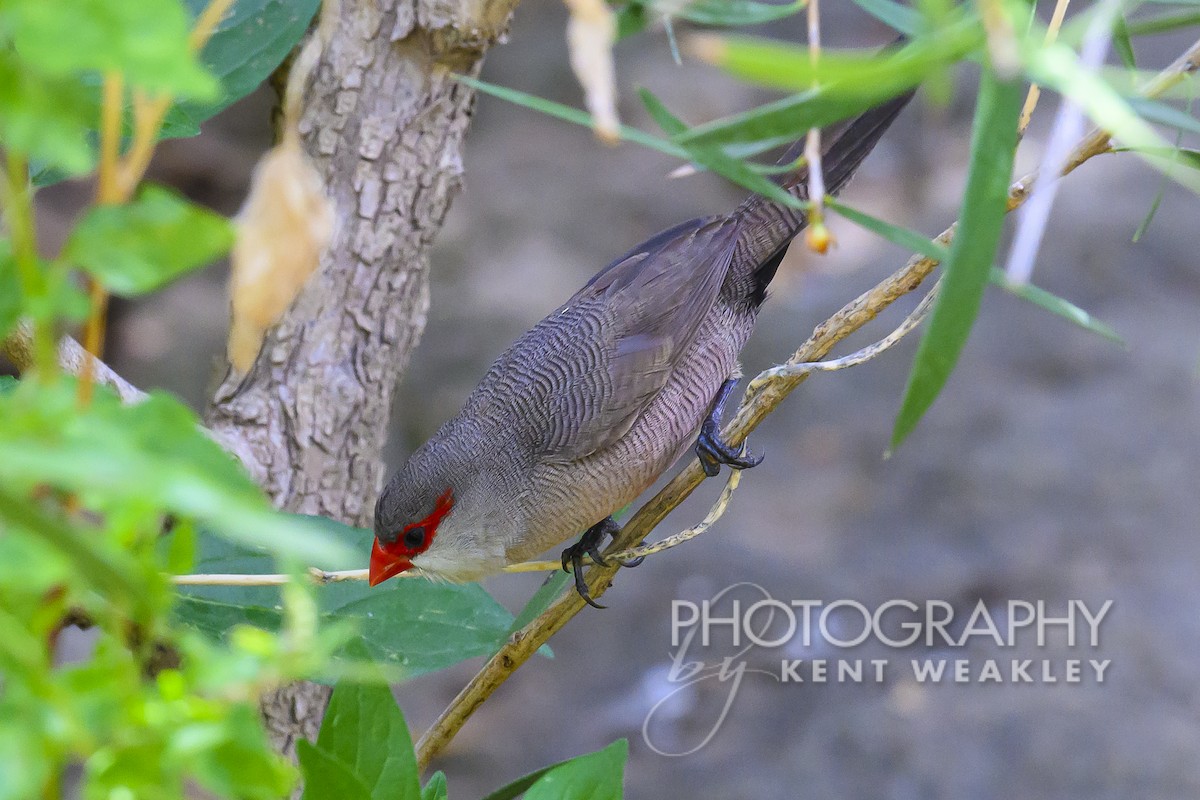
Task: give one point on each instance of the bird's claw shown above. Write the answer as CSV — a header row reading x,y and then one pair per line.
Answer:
x,y
711,449
713,452
589,545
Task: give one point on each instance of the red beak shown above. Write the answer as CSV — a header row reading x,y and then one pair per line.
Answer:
x,y
385,565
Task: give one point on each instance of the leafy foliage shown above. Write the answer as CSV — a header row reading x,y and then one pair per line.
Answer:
x,y
100,502
138,247
364,752
408,626
87,484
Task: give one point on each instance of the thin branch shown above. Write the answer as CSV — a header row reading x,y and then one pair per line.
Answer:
x,y
816,235
755,407
1035,91
73,359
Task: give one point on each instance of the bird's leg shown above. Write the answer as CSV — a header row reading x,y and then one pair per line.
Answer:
x,y
589,544
711,449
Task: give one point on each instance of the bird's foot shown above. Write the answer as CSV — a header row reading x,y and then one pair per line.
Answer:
x,y
713,452
711,449
589,545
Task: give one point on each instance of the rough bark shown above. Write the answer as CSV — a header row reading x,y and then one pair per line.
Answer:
x,y
383,123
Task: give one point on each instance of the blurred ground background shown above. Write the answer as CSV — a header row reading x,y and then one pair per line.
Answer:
x,y
1056,466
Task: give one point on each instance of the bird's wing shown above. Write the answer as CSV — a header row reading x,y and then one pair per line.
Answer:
x,y
638,316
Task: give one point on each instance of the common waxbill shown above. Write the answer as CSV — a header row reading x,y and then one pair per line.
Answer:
x,y
583,412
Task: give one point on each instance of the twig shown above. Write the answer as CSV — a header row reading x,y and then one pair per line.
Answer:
x,y
525,642
1035,91
816,235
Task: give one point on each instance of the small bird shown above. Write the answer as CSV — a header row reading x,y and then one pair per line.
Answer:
x,y
584,411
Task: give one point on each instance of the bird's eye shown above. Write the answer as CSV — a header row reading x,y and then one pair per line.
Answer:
x,y
414,537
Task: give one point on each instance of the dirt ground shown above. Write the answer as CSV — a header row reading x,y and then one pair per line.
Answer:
x,y
1056,466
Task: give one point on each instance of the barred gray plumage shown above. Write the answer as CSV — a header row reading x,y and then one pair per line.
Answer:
x,y
583,412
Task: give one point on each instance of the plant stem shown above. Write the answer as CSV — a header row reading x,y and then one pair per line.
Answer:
x,y
18,201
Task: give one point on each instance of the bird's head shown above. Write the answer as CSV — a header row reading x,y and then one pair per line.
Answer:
x,y
406,524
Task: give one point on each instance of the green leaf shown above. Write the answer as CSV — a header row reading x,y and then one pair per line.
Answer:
x,y
1055,305
45,118
551,588
918,243
895,15
10,290
252,40
1163,114
849,72
631,19
1164,23
568,114
1187,156
242,764
327,778
993,143
714,159
435,789
152,453
1122,43
409,625
137,247
145,40
1057,66
596,776
736,13
905,237
850,84
364,729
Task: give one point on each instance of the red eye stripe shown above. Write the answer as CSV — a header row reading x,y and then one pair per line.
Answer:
x,y
443,507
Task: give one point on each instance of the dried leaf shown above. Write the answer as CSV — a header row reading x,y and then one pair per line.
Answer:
x,y
283,228
591,32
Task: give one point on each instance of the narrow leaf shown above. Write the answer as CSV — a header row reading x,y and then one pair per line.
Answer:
x,y
1164,23
905,237
790,67
898,16
714,159
1163,114
993,143
1122,43
736,13
568,114
1055,305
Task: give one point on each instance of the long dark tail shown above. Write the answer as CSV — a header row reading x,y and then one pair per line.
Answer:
x,y
768,228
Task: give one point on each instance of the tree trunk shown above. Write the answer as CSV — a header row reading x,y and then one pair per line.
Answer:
x,y
384,122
